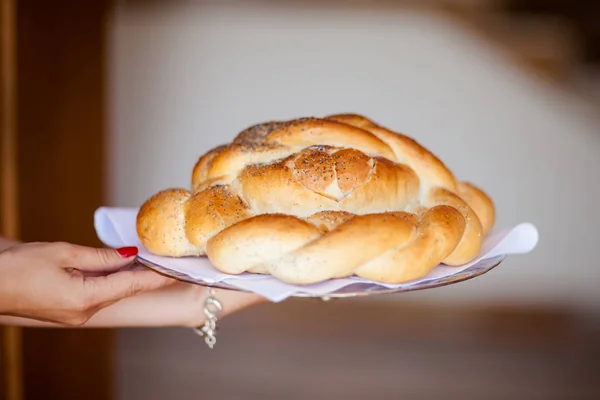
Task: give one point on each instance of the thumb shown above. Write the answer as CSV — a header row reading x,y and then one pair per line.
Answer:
x,y
122,284
97,259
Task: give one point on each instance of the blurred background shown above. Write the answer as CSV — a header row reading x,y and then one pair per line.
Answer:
x,y
107,102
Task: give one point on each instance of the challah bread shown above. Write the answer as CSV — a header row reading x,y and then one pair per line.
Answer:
x,y
313,199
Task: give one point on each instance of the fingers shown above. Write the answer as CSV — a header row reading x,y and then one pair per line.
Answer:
x,y
96,259
114,287
78,282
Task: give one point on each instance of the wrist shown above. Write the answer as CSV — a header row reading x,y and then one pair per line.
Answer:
x,y
193,298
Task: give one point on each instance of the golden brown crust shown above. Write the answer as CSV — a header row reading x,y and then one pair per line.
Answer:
x,y
211,211
313,199
200,172
406,151
161,224
257,240
338,253
315,169
353,168
391,187
274,188
480,203
470,243
436,237
327,221
308,132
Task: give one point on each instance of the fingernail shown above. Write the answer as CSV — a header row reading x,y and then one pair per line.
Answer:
x,y
127,252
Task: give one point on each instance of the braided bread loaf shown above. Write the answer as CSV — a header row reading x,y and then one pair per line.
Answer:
x,y
312,199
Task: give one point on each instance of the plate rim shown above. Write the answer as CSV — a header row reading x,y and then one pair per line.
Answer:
x,y
462,276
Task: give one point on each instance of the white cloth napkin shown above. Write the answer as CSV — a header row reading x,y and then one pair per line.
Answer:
x,y
116,228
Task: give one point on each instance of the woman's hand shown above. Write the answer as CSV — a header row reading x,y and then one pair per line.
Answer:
x,y
66,283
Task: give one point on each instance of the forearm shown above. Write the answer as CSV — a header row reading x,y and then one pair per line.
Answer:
x,y
24,322
166,307
6,243
175,305
178,305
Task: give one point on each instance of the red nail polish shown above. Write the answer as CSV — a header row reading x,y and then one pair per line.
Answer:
x,y
127,252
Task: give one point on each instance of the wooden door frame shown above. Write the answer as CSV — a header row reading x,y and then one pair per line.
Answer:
x,y
57,95
10,351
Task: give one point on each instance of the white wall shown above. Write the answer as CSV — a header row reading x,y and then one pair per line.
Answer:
x,y
184,79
